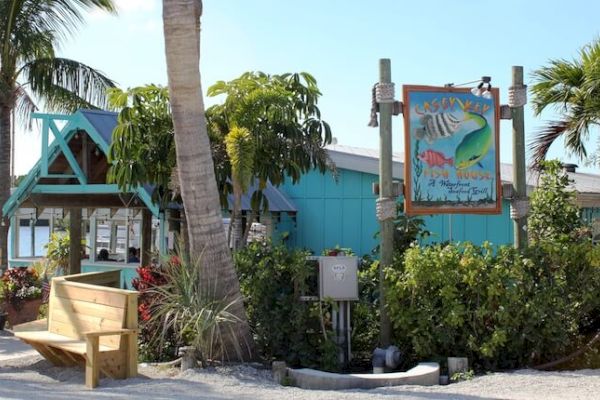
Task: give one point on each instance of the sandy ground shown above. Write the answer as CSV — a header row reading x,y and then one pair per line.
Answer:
x,y
25,375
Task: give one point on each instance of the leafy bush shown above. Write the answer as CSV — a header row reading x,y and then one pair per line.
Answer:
x,y
20,284
149,277
554,214
272,279
500,308
365,312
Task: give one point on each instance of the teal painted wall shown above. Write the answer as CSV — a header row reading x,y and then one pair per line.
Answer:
x,y
343,214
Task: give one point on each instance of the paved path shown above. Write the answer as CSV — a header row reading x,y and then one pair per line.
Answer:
x,y
12,348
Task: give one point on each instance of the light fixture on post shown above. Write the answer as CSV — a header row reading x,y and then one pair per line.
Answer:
x,y
484,89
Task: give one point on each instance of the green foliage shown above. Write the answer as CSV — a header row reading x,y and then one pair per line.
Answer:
x,y
571,88
462,376
57,252
553,214
240,149
500,308
365,312
272,279
193,311
281,113
142,149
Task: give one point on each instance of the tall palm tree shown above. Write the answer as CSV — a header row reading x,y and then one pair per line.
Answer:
x,y
30,30
207,238
573,89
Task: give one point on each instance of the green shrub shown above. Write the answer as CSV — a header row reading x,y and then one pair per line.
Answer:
x,y
500,308
190,309
554,214
272,279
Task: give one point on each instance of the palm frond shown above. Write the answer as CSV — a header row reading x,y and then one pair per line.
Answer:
x,y
58,80
540,144
24,106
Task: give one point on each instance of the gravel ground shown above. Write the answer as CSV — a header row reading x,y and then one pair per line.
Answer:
x,y
31,377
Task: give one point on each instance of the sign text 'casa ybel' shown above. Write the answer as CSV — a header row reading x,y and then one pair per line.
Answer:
x,y
451,151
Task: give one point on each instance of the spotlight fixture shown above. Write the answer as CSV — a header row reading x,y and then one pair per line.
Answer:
x,y
484,88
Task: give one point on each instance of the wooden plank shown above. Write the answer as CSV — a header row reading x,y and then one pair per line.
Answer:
x,y
92,363
47,354
90,309
71,290
46,338
130,347
112,364
37,325
98,323
104,278
77,329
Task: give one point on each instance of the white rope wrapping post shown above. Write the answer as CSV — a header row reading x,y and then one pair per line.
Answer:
x,y
384,92
519,209
517,96
385,208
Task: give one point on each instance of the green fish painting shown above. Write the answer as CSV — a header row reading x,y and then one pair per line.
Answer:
x,y
474,145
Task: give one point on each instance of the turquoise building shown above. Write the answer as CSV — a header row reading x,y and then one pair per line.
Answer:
x,y
342,212
321,211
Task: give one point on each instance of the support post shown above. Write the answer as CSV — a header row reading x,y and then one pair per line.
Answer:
x,y
519,166
385,193
75,241
146,233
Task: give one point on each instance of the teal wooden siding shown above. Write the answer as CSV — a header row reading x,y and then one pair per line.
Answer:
x,y
332,214
343,214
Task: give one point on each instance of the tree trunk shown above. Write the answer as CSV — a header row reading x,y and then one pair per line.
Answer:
x,y
194,160
74,241
235,240
5,146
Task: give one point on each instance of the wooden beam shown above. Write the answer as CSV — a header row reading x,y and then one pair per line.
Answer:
x,y
75,242
66,150
146,233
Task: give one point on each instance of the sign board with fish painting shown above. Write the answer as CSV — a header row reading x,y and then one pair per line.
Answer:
x,y
451,151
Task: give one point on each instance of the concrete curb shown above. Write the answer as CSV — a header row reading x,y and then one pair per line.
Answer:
x,y
424,374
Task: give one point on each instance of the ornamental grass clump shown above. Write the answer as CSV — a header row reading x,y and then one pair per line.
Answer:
x,y
191,309
20,285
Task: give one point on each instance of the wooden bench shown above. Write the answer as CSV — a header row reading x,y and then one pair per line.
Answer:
x,y
90,321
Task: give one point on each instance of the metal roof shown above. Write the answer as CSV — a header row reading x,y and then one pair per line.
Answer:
x,y
103,121
278,201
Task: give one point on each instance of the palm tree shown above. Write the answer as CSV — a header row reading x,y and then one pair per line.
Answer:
x,y
206,231
573,89
30,30
240,149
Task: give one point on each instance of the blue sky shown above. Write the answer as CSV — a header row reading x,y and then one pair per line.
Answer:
x,y
340,43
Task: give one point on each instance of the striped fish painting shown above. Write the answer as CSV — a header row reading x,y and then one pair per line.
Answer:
x,y
437,126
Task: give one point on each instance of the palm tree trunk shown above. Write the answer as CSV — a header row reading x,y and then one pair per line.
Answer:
x,y
5,146
206,232
236,219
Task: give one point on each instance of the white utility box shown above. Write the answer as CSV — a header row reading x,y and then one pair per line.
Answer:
x,y
338,278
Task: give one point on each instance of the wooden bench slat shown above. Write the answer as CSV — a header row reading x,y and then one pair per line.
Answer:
x,y
77,330
90,295
59,341
87,308
95,322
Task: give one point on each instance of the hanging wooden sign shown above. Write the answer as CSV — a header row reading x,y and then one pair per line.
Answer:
x,y
451,151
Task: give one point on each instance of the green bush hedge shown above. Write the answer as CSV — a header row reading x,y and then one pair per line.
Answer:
x,y
499,307
272,279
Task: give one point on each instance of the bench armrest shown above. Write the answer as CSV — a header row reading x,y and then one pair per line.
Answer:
x,y
111,332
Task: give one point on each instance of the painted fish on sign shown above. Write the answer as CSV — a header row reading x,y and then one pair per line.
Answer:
x,y
451,141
